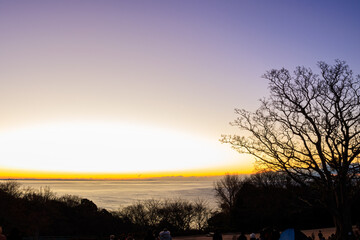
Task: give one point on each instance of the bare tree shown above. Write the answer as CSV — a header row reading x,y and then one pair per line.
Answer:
x,y
202,213
226,190
136,213
11,187
152,207
309,128
180,214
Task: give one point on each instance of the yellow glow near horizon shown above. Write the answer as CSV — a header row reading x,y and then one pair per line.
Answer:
x,y
18,174
108,150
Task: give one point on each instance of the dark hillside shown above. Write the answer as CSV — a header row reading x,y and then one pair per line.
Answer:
x,y
40,213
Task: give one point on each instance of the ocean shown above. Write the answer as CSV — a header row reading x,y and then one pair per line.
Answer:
x,y
113,195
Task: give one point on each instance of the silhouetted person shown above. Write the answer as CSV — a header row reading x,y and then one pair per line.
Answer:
x,y
2,236
165,235
320,235
217,235
242,236
252,236
313,236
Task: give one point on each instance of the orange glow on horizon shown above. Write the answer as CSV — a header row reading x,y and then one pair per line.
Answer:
x,y
26,174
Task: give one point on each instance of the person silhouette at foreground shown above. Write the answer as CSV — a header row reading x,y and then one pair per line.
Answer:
x,y
2,236
252,236
242,236
320,235
165,235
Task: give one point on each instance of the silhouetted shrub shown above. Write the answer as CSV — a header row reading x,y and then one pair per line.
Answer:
x,y
34,213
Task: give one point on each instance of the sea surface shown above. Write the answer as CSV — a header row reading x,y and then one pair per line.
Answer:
x,y
113,195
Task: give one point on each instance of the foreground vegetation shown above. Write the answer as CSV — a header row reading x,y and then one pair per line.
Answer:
x,y
29,212
181,216
32,213
245,204
271,199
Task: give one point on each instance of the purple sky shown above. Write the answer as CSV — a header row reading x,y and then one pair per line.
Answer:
x,y
182,65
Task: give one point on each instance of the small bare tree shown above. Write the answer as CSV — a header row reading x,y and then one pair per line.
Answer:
x,y
11,187
226,190
309,128
180,214
202,213
136,213
152,207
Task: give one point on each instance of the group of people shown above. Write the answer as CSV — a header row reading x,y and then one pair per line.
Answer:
x,y
271,234
266,234
151,235
163,235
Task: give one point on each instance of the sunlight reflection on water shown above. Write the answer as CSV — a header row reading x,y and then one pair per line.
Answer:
x,y
113,195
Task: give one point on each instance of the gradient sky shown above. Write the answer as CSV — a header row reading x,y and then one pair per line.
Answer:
x,y
168,72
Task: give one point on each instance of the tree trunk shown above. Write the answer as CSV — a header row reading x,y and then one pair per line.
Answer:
x,y
342,221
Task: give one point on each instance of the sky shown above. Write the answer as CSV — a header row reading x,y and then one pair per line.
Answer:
x,y
121,89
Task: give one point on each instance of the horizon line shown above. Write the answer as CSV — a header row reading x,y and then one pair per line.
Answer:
x,y
116,179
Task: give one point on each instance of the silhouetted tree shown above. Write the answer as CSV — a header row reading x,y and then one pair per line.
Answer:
x,y
309,128
201,214
226,190
179,215
137,213
271,199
